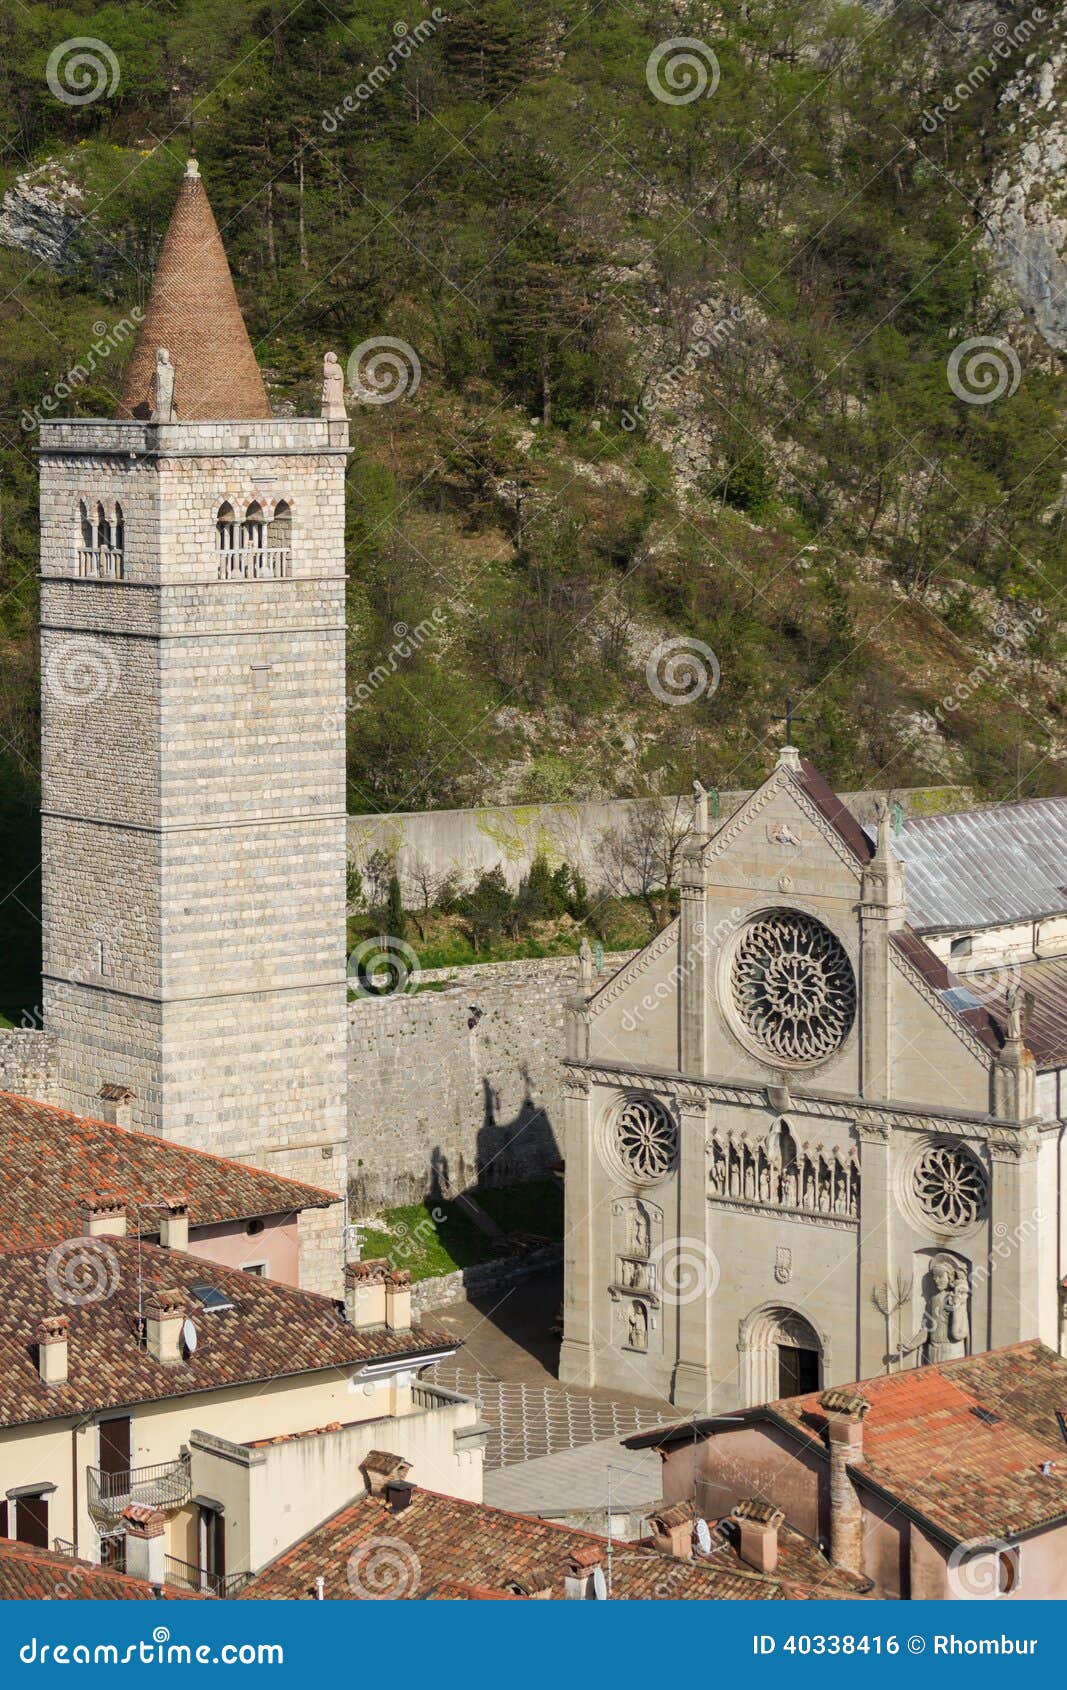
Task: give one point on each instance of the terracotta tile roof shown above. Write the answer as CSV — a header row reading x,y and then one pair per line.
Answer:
x,y
802,1567
193,311
40,1575
271,1331
439,1543
971,1476
51,1161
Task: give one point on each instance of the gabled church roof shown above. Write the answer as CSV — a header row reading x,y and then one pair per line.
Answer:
x,y
979,868
193,312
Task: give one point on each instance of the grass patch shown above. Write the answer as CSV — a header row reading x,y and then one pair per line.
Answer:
x,y
435,1237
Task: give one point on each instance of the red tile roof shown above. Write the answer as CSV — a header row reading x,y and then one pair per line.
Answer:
x,y
440,1546
51,1161
41,1575
271,1331
971,1477
968,1475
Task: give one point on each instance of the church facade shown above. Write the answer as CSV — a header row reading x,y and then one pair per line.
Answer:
x,y
193,757
798,1151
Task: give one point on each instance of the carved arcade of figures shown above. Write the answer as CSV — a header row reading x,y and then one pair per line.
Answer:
x,y
784,1174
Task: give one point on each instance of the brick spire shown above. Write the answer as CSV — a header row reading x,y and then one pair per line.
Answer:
x,y
193,312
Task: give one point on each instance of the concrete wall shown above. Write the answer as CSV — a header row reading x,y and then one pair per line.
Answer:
x,y
468,842
462,1085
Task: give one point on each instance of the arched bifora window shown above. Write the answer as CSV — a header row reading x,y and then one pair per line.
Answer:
x,y
252,548
100,539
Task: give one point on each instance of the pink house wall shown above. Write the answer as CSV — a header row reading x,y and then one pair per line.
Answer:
x,y
232,1245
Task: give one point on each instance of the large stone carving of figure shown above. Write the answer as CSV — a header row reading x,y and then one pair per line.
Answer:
x,y
163,389
946,1325
947,1316
333,388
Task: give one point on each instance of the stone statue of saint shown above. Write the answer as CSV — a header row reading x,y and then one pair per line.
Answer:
x,y
1015,999
333,388
885,826
946,1324
637,1328
163,389
585,963
700,808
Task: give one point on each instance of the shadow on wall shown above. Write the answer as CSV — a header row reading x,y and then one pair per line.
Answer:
x,y
522,1148
20,894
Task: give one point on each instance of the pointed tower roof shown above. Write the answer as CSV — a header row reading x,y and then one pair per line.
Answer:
x,y
193,312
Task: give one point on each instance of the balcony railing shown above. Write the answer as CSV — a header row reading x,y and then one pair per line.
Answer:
x,y
256,563
103,562
185,1576
165,1485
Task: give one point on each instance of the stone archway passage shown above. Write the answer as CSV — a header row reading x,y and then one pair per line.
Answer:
x,y
781,1355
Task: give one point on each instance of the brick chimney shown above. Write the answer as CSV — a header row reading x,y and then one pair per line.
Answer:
x,y
845,1411
174,1226
145,1548
579,1584
379,1467
672,1529
164,1316
758,1524
105,1215
52,1349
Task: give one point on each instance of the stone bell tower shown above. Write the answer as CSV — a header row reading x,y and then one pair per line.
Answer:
x,y
193,756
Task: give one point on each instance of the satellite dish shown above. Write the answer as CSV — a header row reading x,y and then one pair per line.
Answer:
x,y
600,1584
189,1335
703,1537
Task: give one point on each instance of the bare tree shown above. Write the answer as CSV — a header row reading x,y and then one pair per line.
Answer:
x,y
642,859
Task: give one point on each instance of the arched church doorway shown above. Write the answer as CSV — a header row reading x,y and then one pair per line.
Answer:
x,y
782,1355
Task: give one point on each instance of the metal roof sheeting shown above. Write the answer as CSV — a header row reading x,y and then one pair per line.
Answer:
x,y
982,867
1046,1030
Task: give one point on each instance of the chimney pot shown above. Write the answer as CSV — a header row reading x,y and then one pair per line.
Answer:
x,y
380,1467
672,1530
105,1216
365,1292
758,1525
53,1348
174,1226
164,1317
145,1544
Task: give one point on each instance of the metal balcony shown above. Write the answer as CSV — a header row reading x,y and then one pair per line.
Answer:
x,y
165,1485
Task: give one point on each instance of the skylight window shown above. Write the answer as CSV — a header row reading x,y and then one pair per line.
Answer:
x,y
211,1299
986,1416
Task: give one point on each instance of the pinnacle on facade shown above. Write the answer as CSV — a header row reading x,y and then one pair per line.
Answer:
x,y
193,312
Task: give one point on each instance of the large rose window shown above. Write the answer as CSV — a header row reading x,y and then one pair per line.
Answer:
x,y
792,986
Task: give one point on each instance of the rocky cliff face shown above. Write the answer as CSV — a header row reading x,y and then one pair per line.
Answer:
x,y
41,214
1026,209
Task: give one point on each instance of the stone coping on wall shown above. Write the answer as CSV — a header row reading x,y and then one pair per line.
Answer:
x,y
448,1288
489,974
